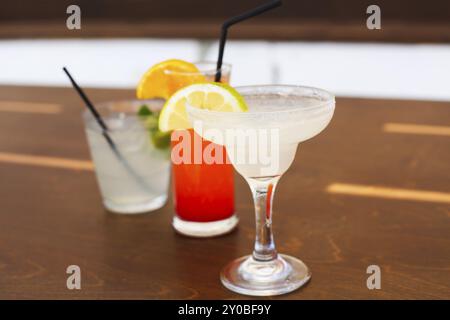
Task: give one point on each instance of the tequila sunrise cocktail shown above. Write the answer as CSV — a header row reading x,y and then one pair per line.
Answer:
x,y
203,192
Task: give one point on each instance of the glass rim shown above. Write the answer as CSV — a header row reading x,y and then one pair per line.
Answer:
x,y
330,100
226,68
87,115
109,103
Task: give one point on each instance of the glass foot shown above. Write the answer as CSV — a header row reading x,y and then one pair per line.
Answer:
x,y
265,278
136,208
205,229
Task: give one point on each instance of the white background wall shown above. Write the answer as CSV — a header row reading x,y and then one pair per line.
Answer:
x,y
362,70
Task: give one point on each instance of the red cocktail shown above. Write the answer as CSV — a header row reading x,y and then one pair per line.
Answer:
x,y
203,192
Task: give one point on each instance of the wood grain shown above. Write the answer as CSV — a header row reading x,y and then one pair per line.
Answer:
x,y
52,217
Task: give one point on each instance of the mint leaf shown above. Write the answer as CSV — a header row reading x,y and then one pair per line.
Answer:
x,y
144,111
161,140
151,122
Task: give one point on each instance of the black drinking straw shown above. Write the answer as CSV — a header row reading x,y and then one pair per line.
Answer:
x,y
236,19
104,128
87,102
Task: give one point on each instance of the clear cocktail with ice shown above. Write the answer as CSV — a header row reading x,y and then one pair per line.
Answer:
x,y
135,177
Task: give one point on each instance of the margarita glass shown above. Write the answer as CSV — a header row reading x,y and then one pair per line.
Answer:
x,y
280,117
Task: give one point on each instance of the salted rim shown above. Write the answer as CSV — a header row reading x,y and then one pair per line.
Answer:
x,y
331,99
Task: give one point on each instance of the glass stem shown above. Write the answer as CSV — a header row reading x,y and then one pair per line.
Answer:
x,y
263,191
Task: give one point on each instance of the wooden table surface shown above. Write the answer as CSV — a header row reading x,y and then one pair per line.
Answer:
x,y
373,189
